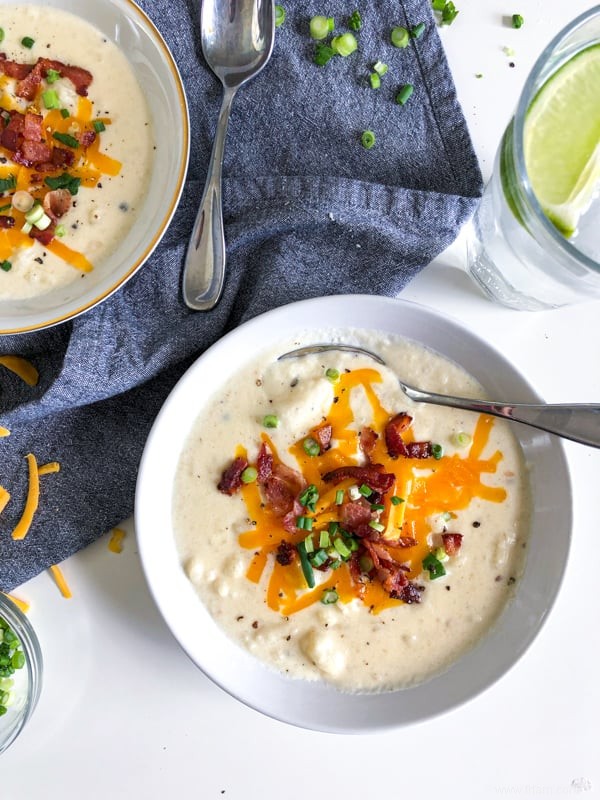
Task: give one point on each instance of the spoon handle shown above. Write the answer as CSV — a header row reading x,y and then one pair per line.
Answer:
x,y
578,422
204,268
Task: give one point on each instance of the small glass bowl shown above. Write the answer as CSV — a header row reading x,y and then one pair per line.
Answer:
x,y
27,680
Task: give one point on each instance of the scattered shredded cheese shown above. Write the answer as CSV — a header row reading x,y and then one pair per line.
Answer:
x,y
22,604
31,504
4,498
4,431
115,544
21,367
51,466
60,581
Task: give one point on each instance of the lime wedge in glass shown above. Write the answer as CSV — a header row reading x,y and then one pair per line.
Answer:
x,y
562,140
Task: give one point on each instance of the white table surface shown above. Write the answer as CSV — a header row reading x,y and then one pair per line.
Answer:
x,y
125,714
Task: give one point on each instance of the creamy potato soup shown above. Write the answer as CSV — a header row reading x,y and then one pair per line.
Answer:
x,y
76,149
341,532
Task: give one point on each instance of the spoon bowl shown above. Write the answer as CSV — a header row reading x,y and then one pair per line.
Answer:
x,y
578,422
237,41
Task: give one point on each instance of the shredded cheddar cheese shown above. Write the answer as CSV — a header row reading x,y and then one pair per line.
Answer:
x,y
33,495
4,498
4,432
60,581
21,367
115,543
46,469
22,604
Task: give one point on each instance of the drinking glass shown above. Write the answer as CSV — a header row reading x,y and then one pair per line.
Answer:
x,y
515,253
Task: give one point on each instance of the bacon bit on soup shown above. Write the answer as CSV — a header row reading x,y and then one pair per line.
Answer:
x,y
56,203
452,543
354,513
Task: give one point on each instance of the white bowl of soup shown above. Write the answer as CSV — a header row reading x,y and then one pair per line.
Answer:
x,y
331,553
89,181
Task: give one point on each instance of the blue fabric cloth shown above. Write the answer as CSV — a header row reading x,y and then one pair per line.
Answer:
x,y
308,211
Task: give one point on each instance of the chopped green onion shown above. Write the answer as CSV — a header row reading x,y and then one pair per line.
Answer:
x,y
377,526
324,540
399,37
270,421
374,80
461,439
309,545
35,214
50,98
418,30
335,563
319,558
65,138
64,181
319,27
355,21
329,596
365,490
517,20
404,94
333,528
304,523
65,113
279,16
395,500
380,68
344,45
352,543
27,227
354,493
438,5
307,570
60,231
8,184
344,551
366,563
441,554
323,54
43,222
434,566
377,507
309,497
449,13
437,451
98,126
27,42
250,474
6,208
1,34
311,446
6,266
52,75
18,659
367,139
332,374
446,516
339,497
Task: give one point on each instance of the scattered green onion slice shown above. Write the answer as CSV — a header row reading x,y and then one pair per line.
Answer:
x,y
333,528
367,139
438,5
65,113
339,497
250,474
377,526
6,266
60,231
323,54
27,227
50,98
437,451
366,563
395,500
380,68
35,214
434,566
27,42
6,208
307,570
461,439
43,222
1,34
52,75
377,507
354,493
345,44
309,497
374,80
270,421
311,446
404,94
98,126
517,20
332,374
449,13
309,545
304,523
319,27
329,596
355,21
365,490
279,16
418,30
65,138
324,540
344,551
64,181
399,37
441,554
319,558
8,184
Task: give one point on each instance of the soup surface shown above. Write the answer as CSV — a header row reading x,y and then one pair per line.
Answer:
x,y
341,532
76,149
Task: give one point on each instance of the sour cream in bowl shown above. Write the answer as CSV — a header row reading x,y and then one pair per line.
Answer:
x,y
88,183
332,554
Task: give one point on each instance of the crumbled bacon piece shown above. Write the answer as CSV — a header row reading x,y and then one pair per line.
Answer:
x,y
12,134
286,553
33,152
12,69
264,464
231,479
355,514
393,434
27,86
56,203
418,449
79,77
62,157
356,573
6,222
43,237
373,475
85,138
390,573
367,439
32,127
410,593
289,520
282,487
30,76
452,543
322,436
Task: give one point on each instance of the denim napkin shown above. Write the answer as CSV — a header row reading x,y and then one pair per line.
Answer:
x,y
308,211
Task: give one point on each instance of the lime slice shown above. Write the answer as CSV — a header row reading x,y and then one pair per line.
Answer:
x,y
562,140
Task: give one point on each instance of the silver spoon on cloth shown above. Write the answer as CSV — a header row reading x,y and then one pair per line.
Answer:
x,y
237,41
578,422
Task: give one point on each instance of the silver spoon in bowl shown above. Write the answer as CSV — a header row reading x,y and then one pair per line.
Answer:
x,y
579,422
237,41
